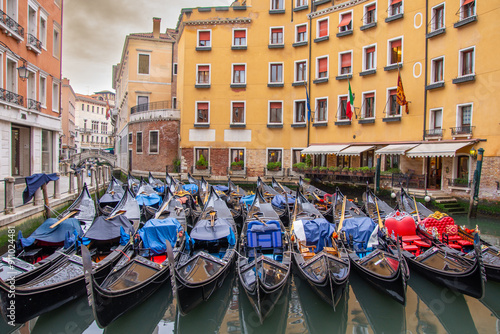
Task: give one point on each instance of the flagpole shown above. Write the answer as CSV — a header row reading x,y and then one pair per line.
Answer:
x,y
308,107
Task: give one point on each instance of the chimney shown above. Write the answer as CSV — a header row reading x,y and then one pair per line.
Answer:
x,y
156,27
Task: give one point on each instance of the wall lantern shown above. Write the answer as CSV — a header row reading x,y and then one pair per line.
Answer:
x,y
23,71
473,152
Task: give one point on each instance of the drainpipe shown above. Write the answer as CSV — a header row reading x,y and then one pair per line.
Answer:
x,y
426,64
309,72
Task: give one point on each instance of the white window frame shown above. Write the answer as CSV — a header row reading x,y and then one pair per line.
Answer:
x,y
130,137
196,113
15,80
35,95
363,111
232,74
316,111
198,38
295,111
56,46
365,12
296,2
389,9
327,57
142,142
246,36
297,33
295,70
389,50
431,117
340,62
460,61
274,149
387,109
374,60
244,111
149,62
35,9
433,69
271,35
237,148
201,148
434,16
269,112
462,16
291,153
458,116
149,142
2,69
209,74
341,15
327,19
55,96
339,99
282,73
271,5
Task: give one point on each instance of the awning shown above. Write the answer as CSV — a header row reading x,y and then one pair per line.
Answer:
x,y
323,149
355,150
395,149
436,149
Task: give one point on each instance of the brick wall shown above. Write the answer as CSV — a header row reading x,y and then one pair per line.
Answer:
x,y
219,160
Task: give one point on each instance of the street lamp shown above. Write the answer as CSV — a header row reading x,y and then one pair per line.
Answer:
x,y
23,71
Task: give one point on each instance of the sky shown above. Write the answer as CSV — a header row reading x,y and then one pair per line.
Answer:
x,y
94,32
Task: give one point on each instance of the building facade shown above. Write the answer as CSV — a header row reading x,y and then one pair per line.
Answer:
x,y
281,56
68,140
93,122
146,113
30,86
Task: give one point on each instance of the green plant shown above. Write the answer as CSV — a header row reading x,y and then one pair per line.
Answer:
x,y
308,160
300,165
274,165
323,168
239,163
352,169
315,168
201,161
364,169
392,171
345,169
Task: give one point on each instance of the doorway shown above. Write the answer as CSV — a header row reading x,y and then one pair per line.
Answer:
x,y
20,141
130,161
434,172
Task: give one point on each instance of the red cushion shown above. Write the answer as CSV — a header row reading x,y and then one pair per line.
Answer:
x,y
454,246
464,243
421,243
410,248
405,226
410,238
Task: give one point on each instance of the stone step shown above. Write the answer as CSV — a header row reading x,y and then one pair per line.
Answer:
x,y
448,200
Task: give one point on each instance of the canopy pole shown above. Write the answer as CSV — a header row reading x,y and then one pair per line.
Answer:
x,y
474,199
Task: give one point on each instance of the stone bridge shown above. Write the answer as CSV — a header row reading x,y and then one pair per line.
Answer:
x,y
80,158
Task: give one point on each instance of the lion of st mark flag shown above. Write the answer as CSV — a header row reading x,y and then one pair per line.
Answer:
x,y
400,95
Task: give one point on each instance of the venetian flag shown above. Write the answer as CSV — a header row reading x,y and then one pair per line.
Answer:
x,y
350,104
308,105
108,110
400,96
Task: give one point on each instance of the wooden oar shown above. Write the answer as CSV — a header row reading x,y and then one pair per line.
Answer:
x,y
256,216
212,218
72,213
416,209
342,216
295,208
380,225
163,207
117,214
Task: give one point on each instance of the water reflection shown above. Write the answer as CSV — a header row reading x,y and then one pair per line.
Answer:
x,y
384,314
491,298
448,306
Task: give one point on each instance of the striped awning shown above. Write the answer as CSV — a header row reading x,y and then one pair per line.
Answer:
x,y
355,150
436,149
395,149
323,149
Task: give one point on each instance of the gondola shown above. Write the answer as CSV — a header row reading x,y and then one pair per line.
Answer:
x,y
279,201
83,209
204,267
184,202
438,263
318,255
235,194
146,196
111,197
108,240
133,184
157,246
281,187
321,199
264,255
128,207
457,237
157,184
383,268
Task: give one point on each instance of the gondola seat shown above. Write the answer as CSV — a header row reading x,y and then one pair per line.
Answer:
x,y
264,236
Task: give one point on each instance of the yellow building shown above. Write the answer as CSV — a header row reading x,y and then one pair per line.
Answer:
x,y
245,69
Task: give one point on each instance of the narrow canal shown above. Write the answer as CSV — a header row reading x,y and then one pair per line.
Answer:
x,y
430,309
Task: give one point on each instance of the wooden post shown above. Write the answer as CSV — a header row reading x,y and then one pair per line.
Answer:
x,y
9,195
46,201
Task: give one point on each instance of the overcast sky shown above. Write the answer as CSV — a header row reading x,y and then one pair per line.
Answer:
x,y
94,32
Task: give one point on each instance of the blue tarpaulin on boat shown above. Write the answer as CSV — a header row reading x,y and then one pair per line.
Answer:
x,y
149,200
204,230
34,182
221,188
247,200
361,229
190,188
106,229
53,235
318,233
280,202
156,232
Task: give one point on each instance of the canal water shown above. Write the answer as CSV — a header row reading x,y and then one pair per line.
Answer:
x,y
430,308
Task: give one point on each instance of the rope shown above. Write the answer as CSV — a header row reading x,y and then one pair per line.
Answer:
x,y
119,250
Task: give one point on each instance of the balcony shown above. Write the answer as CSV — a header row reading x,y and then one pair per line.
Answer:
x,y
434,134
34,44
150,106
154,110
12,28
464,130
34,105
11,97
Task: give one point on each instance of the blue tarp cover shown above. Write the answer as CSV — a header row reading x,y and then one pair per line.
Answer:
x,y
107,199
149,200
54,235
318,233
190,188
156,232
247,200
34,182
360,229
280,202
102,229
221,188
222,228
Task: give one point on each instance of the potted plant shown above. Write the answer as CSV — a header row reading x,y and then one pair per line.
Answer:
x,y
323,169
299,167
274,166
345,170
237,164
201,163
177,165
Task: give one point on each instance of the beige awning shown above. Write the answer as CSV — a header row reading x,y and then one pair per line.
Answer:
x,y
395,149
323,149
436,149
355,150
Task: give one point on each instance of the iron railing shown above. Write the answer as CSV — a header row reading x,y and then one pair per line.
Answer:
x,y
434,133
151,106
11,97
33,104
459,182
11,23
462,130
34,42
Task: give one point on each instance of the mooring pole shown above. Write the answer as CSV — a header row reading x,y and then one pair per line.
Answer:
x,y
474,199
